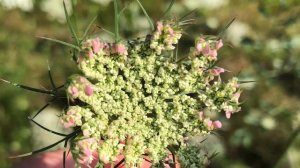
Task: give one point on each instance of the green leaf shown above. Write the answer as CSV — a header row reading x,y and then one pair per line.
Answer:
x,y
61,42
71,28
146,14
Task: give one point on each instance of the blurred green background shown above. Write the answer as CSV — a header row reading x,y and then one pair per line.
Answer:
x,y
262,45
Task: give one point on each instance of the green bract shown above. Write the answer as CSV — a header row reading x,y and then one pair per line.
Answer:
x,y
137,98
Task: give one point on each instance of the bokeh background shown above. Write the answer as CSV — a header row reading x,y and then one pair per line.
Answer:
x,y
262,45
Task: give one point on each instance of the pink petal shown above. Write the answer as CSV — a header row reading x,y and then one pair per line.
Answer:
x,y
217,124
199,48
219,44
209,123
97,45
217,71
159,26
228,114
88,90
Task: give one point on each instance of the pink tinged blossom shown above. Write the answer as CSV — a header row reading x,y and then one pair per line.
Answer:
x,y
236,96
209,123
217,124
213,53
206,50
159,26
201,115
82,80
219,44
69,123
97,45
217,71
91,54
228,114
88,90
119,49
86,155
73,91
70,112
199,48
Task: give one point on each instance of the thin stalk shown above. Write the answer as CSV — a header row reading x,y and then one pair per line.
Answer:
x,y
88,28
146,14
71,28
221,34
28,88
116,9
47,129
166,13
119,164
50,76
290,141
43,108
47,147
64,154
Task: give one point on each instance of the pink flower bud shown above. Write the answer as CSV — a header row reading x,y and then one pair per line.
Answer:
x,y
213,53
69,123
88,90
217,71
199,48
236,96
209,123
97,45
91,54
206,50
219,44
217,124
159,26
73,91
228,114
119,49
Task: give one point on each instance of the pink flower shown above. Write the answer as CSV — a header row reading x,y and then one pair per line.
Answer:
x,y
91,54
206,50
159,26
217,71
213,53
69,123
199,48
217,124
228,114
88,90
73,91
209,123
236,96
85,146
219,44
97,45
119,49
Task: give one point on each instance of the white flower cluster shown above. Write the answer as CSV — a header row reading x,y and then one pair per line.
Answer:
x,y
133,99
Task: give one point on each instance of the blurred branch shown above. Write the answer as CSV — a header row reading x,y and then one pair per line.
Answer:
x,y
290,141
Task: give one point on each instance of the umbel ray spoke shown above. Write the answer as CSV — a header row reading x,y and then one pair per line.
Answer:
x,y
48,147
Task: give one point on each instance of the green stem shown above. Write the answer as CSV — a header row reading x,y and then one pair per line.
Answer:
x,y
116,20
146,14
